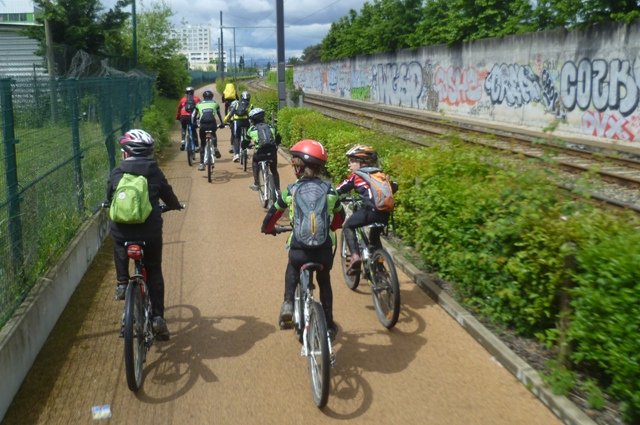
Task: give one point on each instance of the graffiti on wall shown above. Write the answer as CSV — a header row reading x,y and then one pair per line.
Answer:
x,y
606,93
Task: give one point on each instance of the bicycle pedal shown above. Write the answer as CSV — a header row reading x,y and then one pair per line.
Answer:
x,y
286,325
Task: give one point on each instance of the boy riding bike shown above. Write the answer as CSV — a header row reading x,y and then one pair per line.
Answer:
x,y
264,139
312,238
137,148
186,106
239,116
363,161
205,117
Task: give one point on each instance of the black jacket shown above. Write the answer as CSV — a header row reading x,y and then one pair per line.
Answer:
x,y
159,189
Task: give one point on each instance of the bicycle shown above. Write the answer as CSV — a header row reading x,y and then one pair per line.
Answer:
x,y
244,148
137,328
377,267
209,153
310,326
190,146
267,193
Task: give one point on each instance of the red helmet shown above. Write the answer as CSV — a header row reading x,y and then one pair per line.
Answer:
x,y
310,151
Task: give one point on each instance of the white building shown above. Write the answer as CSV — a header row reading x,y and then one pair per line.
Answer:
x,y
17,52
197,46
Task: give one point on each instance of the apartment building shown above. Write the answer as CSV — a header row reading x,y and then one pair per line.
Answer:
x,y
197,46
17,52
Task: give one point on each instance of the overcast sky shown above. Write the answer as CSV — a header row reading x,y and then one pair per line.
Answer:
x,y
306,22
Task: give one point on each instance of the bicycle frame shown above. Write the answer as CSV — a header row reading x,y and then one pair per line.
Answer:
x,y
190,144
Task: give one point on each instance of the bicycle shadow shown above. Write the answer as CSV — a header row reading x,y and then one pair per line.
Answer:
x,y
358,353
179,363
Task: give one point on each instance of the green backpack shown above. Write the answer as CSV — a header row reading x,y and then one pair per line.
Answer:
x,y
130,203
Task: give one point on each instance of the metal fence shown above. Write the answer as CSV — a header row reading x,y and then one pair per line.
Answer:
x,y
58,146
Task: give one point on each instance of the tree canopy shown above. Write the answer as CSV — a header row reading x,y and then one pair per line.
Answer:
x,y
389,25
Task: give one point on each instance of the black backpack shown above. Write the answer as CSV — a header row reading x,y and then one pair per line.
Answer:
x,y
265,136
207,116
190,104
242,108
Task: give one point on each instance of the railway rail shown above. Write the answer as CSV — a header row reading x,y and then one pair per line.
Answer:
x,y
618,170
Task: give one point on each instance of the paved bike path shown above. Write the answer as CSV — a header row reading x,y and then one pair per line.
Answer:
x,y
227,363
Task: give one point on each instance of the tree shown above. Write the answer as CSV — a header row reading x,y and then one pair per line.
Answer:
x,y
78,23
158,48
311,54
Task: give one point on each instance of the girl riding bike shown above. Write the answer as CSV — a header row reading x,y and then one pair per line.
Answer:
x,y
363,158
308,159
137,148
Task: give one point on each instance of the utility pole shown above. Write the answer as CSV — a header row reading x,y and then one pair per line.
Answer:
x,y
51,69
280,48
221,49
235,62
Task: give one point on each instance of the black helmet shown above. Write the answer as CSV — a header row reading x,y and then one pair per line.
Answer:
x,y
256,115
137,143
207,95
245,95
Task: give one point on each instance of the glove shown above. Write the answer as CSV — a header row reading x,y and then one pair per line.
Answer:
x,y
221,126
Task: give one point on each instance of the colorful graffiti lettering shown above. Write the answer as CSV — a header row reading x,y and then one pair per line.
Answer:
x,y
607,124
456,86
605,85
398,85
514,84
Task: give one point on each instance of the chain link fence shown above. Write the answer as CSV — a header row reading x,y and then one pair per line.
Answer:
x,y
58,146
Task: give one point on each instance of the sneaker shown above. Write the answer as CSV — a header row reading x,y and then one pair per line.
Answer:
x,y
160,328
254,187
236,158
286,315
182,145
120,291
332,330
216,152
201,167
354,265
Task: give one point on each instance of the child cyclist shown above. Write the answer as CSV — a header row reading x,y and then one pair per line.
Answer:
x,y
137,150
364,159
308,159
265,141
205,117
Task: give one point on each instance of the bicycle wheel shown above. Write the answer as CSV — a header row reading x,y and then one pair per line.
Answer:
x,y
189,144
262,187
351,281
134,348
385,289
318,356
271,191
209,161
243,158
298,315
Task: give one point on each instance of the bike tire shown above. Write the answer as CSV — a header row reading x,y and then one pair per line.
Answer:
x,y
271,191
243,158
352,281
209,162
319,362
385,288
262,188
189,148
298,313
134,344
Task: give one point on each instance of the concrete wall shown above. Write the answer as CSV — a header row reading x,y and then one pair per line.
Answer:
x,y
589,79
26,332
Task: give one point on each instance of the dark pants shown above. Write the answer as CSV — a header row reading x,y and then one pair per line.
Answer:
x,y
236,132
184,121
360,218
153,264
297,258
259,155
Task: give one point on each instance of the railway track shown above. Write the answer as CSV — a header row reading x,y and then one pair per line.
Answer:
x,y
618,172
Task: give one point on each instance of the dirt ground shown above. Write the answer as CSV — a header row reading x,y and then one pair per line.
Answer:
x,y
228,363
